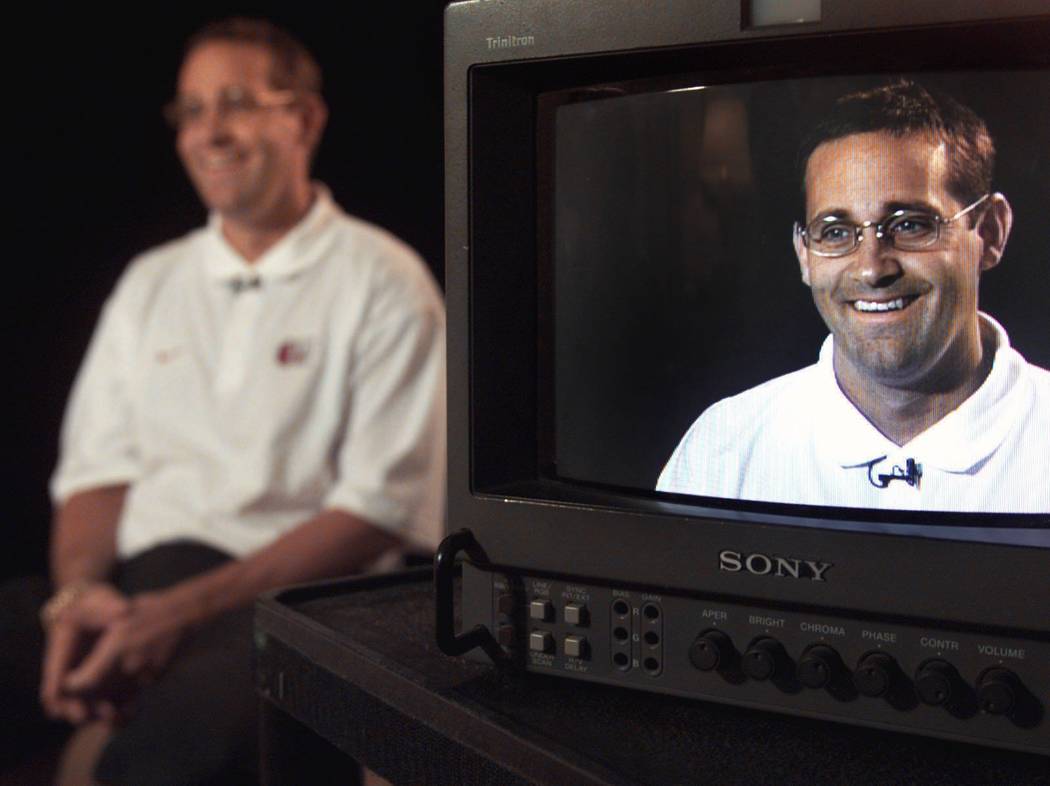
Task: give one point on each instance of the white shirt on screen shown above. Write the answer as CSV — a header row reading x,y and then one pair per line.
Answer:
x,y
798,439
239,400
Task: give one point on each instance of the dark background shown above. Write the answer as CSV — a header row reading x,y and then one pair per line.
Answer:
x,y
94,180
676,282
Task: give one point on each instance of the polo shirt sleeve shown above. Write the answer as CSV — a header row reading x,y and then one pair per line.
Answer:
x,y
97,441
391,462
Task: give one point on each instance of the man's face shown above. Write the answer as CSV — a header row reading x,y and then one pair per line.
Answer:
x,y
242,163
865,177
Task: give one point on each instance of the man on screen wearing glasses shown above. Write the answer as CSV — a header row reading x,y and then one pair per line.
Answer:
x,y
917,400
262,404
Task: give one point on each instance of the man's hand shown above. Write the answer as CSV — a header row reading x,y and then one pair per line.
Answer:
x,y
133,649
69,635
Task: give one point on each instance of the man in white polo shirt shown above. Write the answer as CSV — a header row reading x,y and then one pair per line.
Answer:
x,y
917,400
262,404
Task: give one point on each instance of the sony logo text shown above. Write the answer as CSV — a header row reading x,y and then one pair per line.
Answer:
x,y
766,565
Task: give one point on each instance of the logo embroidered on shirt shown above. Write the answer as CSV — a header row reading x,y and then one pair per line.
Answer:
x,y
293,352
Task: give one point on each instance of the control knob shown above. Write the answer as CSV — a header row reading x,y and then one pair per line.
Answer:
x,y
937,682
712,650
998,691
820,666
876,674
766,658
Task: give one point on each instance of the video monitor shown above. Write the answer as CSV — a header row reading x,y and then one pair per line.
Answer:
x,y
761,296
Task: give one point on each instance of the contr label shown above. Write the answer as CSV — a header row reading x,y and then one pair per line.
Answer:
x,y
941,645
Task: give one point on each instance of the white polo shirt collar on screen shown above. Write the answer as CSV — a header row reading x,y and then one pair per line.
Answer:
x,y
957,443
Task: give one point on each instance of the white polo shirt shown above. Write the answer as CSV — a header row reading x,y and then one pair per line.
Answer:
x,y
798,439
239,400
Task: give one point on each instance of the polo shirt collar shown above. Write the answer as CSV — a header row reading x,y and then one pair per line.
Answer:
x,y
301,247
958,442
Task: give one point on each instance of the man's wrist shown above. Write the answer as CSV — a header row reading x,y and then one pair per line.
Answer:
x,y
65,597
187,603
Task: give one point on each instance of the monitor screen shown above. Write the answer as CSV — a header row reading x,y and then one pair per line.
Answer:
x,y
828,292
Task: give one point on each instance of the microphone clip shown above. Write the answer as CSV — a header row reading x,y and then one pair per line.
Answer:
x,y
238,285
911,474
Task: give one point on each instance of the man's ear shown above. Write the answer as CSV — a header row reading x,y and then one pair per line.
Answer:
x,y
993,227
801,252
314,113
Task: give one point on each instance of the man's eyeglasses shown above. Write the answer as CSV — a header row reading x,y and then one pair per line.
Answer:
x,y
234,103
906,230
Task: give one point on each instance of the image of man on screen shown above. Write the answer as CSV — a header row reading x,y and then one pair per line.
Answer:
x,y
917,400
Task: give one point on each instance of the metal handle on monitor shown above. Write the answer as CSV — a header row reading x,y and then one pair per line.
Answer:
x,y
445,626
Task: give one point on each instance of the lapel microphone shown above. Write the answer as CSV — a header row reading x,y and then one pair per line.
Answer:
x,y
238,285
911,474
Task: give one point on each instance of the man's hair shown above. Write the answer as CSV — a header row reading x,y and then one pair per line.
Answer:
x,y
294,68
903,107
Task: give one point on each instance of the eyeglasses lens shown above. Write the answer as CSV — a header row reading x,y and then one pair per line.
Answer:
x,y
905,230
232,103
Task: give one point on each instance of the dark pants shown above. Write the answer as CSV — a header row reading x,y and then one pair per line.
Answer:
x,y
196,726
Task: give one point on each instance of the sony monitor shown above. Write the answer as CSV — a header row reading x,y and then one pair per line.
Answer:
x,y
749,395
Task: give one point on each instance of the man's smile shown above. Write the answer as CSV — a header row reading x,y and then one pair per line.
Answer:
x,y
217,160
882,304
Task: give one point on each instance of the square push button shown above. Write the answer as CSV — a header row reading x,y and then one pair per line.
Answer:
x,y
576,646
505,635
575,613
505,603
540,610
541,641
